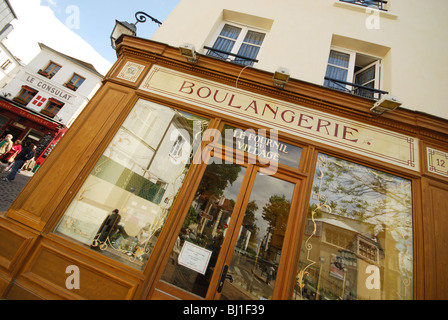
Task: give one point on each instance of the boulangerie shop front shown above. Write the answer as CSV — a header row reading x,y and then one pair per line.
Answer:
x,y
205,181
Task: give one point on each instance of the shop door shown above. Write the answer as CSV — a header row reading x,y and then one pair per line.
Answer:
x,y
231,241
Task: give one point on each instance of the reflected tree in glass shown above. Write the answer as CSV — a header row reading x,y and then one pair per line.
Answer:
x,y
205,225
358,242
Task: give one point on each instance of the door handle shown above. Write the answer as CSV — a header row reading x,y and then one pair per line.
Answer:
x,y
223,278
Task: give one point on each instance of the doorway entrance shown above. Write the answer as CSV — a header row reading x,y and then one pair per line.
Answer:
x,y
232,241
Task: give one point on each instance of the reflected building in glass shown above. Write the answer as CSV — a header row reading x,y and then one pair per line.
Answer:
x,y
249,172
358,240
139,174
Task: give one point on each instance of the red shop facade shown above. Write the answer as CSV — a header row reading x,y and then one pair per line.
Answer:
x,y
24,125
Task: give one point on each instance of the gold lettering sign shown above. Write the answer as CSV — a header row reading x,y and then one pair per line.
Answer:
x,y
303,122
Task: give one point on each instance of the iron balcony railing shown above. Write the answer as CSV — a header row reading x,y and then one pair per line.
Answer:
x,y
377,4
353,88
224,55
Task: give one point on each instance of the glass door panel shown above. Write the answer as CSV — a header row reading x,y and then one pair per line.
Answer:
x,y
194,256
255,260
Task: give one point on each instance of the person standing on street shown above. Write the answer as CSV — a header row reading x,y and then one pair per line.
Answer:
x,y
6,144
9,157
27,153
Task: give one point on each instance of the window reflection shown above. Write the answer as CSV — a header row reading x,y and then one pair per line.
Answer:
x,y
358,240
193,259
123,204
255,260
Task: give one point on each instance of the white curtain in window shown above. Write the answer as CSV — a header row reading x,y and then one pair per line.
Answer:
x,y
250,47
225,41
337,69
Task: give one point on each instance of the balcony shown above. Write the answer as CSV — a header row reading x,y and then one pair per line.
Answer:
x,y
70,86
45,74
375,4
353,88
235,58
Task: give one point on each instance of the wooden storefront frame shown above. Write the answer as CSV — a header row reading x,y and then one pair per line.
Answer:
x,y
43,201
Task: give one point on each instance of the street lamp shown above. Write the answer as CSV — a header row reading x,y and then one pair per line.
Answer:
x,y
123,27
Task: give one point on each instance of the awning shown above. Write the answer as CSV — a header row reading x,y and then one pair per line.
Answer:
x,y
52,125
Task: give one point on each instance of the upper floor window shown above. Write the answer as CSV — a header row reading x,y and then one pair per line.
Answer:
x,y
25,95
239,44
354,72
75,82
52,108
376,4
50,70
6,64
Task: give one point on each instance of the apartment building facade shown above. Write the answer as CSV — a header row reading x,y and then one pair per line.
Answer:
x,y
250,150
44,98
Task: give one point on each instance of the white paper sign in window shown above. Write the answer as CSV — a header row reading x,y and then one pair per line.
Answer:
x,y
194,257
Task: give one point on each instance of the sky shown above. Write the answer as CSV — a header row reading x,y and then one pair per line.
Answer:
x,y
79,28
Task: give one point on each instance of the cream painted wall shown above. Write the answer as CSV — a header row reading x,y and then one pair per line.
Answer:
x,y
411,37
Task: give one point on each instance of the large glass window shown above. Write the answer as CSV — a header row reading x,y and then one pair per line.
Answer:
x,y
358,241
123,204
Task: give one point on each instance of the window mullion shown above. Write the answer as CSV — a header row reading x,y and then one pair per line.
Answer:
x,y
239,41
351,67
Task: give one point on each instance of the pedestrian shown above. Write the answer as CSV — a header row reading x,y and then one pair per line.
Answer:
x,y
26,154
6,144
10,156
29,164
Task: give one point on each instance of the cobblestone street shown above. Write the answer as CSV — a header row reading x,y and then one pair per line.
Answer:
x,y
10,190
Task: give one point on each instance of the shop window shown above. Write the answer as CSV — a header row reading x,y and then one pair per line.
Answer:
x,y
25,95
354,72
133,176
237,43
376,4
50,70
75,82
358,243
52,108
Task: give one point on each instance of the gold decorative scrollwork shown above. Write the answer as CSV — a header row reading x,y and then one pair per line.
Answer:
x,y
321,206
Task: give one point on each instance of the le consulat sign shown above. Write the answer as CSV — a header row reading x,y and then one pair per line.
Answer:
x,y
52,90
346,134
